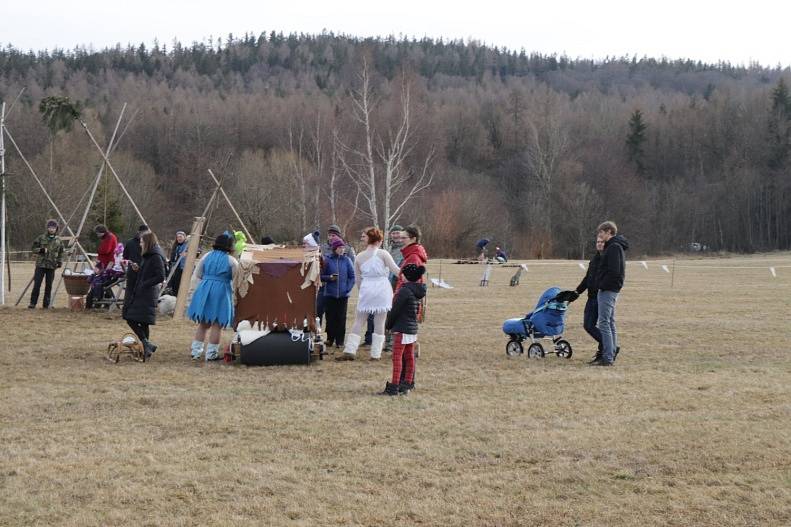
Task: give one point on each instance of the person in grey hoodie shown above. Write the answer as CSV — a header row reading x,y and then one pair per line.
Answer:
x,y
610,277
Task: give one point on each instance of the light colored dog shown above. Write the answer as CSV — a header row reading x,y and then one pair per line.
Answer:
x,y
166,305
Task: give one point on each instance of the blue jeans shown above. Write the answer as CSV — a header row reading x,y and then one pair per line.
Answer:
x,y
590,318
606,323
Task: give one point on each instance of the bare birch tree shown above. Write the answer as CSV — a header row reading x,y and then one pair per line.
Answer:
x,y
382,167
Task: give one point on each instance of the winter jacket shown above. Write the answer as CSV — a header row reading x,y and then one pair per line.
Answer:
x,y
142,305
413,254
402,318
175,253
395,252
344,268
106,252
612,266
589,280
132,250
48,251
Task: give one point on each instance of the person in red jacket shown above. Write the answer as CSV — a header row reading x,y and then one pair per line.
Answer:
x,y
106,252
414,254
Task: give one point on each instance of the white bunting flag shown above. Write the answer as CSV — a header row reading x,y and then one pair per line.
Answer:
x,y
665,269
582,266
524,266
645,264
439,282
772,270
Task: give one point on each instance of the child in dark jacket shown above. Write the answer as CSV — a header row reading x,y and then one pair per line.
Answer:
x,y
402,322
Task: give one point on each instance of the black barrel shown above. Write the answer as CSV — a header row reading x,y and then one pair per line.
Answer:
x,y
277,348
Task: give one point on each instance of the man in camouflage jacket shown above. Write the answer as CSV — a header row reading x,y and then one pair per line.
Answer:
x,y
48,251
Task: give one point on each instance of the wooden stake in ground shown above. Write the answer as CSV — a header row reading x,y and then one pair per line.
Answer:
x,y
487,272
189,267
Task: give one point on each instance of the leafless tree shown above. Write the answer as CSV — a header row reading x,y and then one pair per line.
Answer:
x,y
382,167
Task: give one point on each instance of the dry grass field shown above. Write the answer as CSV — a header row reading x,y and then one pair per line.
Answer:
x,y
691,427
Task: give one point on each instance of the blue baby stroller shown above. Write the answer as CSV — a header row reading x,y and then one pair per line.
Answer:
x,y
546,321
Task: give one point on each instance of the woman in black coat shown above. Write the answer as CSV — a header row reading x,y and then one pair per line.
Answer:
x,y
140,311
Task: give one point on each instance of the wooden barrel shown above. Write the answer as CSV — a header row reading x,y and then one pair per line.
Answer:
x,y
77,284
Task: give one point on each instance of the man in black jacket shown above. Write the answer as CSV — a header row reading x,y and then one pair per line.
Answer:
x,y
609,278
591,315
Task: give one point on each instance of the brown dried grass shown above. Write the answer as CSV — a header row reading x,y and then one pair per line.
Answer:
x,y
691,427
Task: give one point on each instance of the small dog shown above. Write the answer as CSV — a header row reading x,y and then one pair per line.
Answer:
x,y
166,305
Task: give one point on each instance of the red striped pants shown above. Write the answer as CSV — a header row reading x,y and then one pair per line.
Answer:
x,y
407,352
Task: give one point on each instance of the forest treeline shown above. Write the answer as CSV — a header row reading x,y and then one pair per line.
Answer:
x,y
465,139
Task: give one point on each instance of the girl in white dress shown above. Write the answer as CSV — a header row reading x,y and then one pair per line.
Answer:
x,y
372,267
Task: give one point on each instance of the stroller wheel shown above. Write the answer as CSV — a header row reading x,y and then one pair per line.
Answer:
x,y
536,351
563,349
514,348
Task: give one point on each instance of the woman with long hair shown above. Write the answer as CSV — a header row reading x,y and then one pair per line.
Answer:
x,y
140,311
372,267
212,302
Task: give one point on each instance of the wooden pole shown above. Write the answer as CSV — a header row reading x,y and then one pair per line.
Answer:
x,y
238,218
189,266
101,173
90,199
2,210
115,174
46,194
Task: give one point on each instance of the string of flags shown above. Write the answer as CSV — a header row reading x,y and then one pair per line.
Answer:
x,y
667,268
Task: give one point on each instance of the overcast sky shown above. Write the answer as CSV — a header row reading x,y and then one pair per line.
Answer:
x,y
740,32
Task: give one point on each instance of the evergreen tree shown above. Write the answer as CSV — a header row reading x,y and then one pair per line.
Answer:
x,y
780,126
635,140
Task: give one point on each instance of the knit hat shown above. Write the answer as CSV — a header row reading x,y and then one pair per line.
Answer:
x,y
53,224
337,242
334,228
143,228
413,272
182,233
100,229
267,240
396,227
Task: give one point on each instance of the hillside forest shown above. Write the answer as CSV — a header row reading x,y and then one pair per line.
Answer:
x,y
465,139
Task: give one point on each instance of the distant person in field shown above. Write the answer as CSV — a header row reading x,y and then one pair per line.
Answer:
x,y
178,257
591,315
105,254
415,254
212,302
500,255
396,244
403,323
372,267
610,277
48,250
333,235
140,312
337,275
133,254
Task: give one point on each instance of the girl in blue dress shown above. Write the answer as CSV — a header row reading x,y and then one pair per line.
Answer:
x,y
212,302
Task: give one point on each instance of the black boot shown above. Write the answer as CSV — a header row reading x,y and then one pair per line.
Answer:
x,y
405,387
148,348
390,389
597,357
